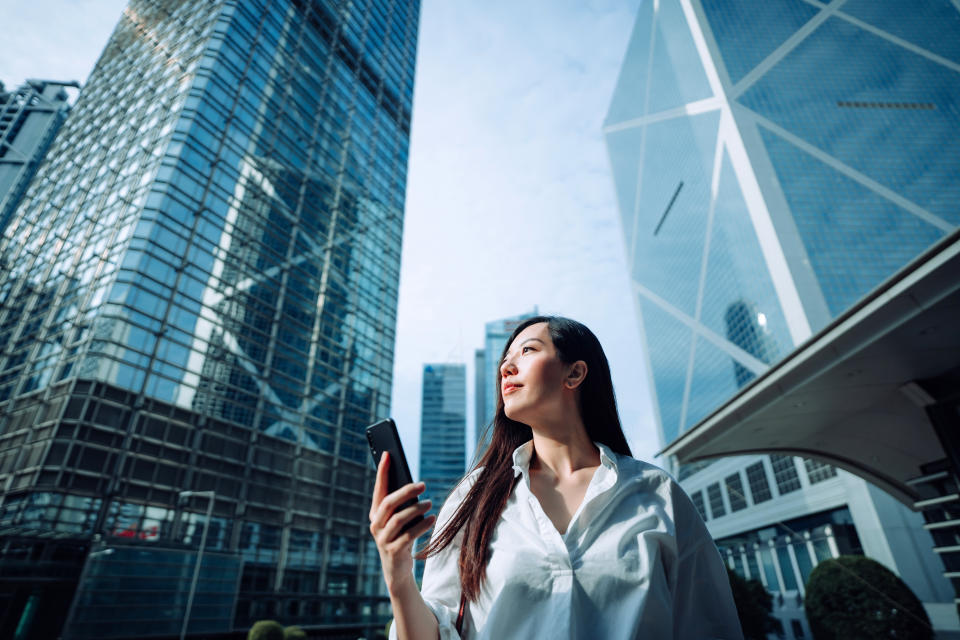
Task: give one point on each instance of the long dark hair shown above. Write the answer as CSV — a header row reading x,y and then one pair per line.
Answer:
x,y
480,511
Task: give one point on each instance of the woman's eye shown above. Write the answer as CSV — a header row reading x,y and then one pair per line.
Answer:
x,y
525,349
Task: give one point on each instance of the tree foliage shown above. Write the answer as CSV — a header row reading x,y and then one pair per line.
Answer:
x,y
754,604
853,598
294,633
266,630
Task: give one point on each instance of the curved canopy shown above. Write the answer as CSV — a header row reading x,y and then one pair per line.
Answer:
x,y
856,394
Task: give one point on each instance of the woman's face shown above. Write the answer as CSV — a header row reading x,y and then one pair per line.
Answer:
x,y
532,376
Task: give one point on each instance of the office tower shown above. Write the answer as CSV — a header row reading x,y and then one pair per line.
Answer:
x,y
443,432
29,119
443,429
201,296
479,389
773,163
486,363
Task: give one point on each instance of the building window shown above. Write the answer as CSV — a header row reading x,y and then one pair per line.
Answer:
x,y
759,487
785,473
716,500
698,503
735,494
819,471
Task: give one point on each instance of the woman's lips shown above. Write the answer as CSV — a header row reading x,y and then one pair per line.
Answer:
x,y
510,388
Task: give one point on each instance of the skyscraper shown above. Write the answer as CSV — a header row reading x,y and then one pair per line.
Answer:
x,y
773,163
443,429
487,360
30,117
200,295
443,432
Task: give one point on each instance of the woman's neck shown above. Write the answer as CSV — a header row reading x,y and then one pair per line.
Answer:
x,y
564,454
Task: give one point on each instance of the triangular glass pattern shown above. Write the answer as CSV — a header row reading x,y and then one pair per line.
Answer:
x,y
668,345
628,97
677,76
933,25
854,238
673,204
876,107
716,378
747,32
739,299
624,148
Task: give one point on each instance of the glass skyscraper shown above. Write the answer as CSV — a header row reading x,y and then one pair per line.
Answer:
x,y
443,429
443,432
30,117
774,162
487,361
199,294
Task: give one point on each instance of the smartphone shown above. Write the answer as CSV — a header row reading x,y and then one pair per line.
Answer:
x,y
383,436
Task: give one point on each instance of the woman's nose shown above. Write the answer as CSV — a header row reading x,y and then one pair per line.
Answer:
x,y
507,368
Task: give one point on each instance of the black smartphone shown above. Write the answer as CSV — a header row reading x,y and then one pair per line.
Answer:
x,y
383,436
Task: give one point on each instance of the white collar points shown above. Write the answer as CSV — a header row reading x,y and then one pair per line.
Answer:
x,y
524,453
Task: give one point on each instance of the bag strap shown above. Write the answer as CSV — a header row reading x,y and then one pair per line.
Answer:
x,y
463,608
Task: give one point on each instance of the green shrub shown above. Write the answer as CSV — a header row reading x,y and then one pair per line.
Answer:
x,y
754,604
853,597
266,630
294,633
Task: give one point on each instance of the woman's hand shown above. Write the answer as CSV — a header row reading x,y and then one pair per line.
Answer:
x,y
386,524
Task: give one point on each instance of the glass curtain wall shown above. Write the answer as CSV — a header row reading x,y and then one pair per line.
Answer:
x,y
199,293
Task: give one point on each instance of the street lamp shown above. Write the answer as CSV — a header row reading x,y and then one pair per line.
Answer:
x,y
209,495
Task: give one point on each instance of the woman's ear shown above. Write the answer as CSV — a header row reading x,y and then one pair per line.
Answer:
x,y
576,374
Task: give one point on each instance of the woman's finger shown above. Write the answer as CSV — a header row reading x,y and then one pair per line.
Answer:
x,y
380,486
381,514
406,538
392,529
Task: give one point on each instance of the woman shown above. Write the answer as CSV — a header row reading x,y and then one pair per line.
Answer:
x,y
557,532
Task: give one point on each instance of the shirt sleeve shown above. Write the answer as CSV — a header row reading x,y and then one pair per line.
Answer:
x,y
441,577
703,604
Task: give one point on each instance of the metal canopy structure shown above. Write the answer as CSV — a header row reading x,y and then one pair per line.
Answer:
x,y
859,393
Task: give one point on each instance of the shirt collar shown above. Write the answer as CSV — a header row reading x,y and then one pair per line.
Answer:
x,y
523,453
521,458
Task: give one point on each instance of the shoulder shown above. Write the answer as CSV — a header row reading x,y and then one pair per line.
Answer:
x,y
643,478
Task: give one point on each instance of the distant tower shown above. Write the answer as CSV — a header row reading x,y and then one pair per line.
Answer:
x,y
487,361
29,119
443,428
747,328
443,432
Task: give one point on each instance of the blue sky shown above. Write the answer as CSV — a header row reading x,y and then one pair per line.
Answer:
x,y
510,202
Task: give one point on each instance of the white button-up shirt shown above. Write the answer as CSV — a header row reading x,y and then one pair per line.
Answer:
x,y
636,562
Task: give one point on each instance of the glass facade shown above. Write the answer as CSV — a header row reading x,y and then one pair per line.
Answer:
x,y
773,163
819,471
487,363
785,474
763,187
443,433
783,556
443,429
30,117
734,486
205,298
759,485
715,495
